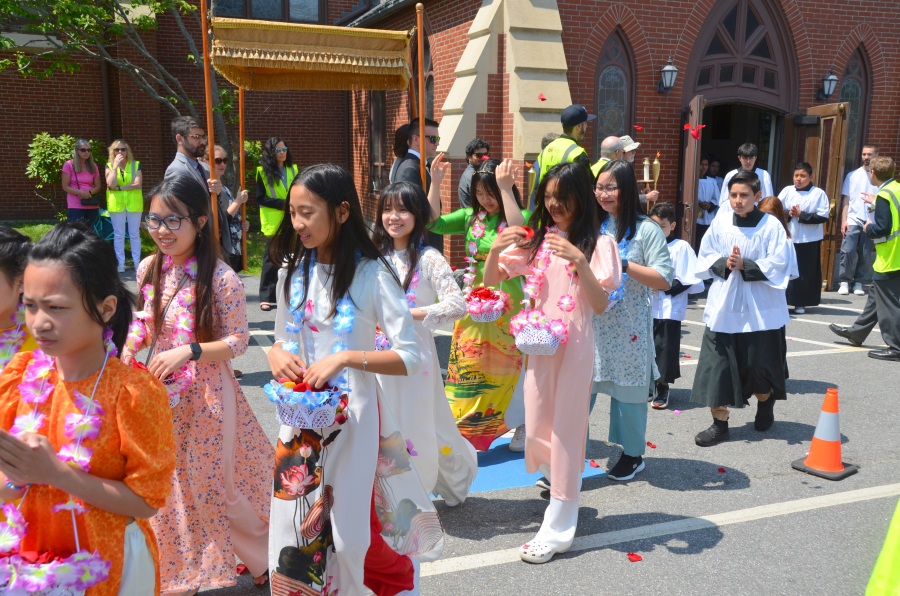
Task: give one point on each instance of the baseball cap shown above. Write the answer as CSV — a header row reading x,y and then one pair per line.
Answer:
x,y
575,115
628,143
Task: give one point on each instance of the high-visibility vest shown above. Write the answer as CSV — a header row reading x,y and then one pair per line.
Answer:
x,y
270,218
125,200
561,150
595,169
887,250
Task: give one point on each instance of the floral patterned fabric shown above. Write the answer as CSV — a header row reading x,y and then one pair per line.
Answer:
x,y
193,528
484,371
132,446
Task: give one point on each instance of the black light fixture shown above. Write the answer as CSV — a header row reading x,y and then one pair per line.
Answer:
x,y
827,88
668,74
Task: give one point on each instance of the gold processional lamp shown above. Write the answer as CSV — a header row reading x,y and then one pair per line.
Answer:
x,y
532,177
647,179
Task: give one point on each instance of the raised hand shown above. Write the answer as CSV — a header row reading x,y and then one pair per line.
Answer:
x,y
506,175
439,169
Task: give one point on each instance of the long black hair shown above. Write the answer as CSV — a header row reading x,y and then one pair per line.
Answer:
x,y
14,248
413,199
484,176
93,266
269,162
630,210
188,198
574,193
334,185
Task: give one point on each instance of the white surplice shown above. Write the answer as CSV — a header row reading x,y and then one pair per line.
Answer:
x,y
684,263
343,465
737,306
813,200
707,192
446,462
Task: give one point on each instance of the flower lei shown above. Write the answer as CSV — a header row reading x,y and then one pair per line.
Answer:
x,y
32,572
182,326
533,284
480,302
286,392
618,294
12,339
414,281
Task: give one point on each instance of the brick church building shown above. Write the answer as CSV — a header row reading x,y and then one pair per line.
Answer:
x,y
756,64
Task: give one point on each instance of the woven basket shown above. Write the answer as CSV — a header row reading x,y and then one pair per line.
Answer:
x,y
487,317
54,591
303,416
536,341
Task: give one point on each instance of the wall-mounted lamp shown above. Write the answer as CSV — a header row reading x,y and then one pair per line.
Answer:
x,y
668,74
827,89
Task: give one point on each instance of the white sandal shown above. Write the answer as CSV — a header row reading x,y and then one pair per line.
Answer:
x,y
537,552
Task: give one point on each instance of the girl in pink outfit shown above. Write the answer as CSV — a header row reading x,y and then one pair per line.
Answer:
x,y
570,271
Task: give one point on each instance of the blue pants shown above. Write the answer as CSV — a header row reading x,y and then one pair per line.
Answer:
x,y
87,216
855,249
627,425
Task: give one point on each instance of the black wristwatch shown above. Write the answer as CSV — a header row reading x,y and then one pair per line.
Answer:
x,y
196,351
624,265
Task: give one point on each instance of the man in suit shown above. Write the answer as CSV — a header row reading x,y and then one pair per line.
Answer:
x,y
408,168
191,140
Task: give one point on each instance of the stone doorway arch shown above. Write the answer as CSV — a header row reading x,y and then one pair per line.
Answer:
x,y
744,54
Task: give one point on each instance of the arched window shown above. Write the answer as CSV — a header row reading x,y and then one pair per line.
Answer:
x,y
614,89
854,89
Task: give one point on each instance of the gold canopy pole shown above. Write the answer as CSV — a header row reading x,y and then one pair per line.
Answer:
x,y
420,25
204,24
243,175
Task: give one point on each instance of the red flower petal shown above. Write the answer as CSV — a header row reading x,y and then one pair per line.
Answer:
x,y
634,338
135,363
722,470
313,328
634,557
638,127
541,97
452,268
687,126
485,157
529,233
696,134
651,445
594,464
242,569
701,126
687,355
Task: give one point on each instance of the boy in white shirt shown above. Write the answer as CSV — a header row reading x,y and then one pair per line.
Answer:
x,y
747,153
707,200
806,207
855,248
749,257
670,306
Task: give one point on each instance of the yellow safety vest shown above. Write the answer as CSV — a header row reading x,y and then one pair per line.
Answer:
x,y
599,166
125,200
270,218
559,151
887,250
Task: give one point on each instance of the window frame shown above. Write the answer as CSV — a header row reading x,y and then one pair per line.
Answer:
x,y
626,62
377,115
285,11
864,80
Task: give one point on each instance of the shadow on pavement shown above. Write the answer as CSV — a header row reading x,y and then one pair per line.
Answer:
x,y
805,387
792,433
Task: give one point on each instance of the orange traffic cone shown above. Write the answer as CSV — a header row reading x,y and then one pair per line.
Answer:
x,y
824,457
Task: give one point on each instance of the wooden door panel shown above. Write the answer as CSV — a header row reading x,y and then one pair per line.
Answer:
x,y
694,118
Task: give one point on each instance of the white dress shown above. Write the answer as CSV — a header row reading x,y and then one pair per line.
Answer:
x,y
327,481
446,462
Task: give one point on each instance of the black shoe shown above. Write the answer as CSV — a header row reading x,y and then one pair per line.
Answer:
x,y
716,433
626,468
765,415
662,397
238,374
543,483
845,333
886,354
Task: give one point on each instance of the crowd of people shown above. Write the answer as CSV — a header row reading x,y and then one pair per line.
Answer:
x,y
133,464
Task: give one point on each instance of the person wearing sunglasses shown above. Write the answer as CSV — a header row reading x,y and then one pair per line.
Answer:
x,y
273,181
81,181
408,168
477,151
124,200
232,205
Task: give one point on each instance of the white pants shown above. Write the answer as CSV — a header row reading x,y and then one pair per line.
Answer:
x,y
133,219
560,520
138,571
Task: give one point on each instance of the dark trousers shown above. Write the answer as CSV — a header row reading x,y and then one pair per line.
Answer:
x,y
87,216
269,276
882,307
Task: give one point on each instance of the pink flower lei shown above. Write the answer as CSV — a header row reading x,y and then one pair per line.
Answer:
x,y
478,231
182,324
83,569
11,340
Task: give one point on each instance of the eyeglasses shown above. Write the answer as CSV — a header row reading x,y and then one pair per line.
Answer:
x,y
120,150
172,223
482,155
199,137
605,189
221,160
433,138
83,150
281,150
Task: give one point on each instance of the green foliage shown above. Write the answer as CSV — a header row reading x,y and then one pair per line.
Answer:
x,y
46,156
33,229
253,151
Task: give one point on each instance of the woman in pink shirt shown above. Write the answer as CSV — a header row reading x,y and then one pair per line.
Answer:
x,y
81,181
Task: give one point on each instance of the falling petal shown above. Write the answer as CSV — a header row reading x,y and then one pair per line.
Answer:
x,y
634,557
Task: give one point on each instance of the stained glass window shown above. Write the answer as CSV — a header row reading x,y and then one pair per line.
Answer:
x,y
612,88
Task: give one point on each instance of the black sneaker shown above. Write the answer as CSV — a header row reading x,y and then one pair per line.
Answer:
x,y
765,414
543,483
662,397
626,468
716,433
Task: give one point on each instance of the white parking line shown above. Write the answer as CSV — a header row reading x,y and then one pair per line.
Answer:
x,y
596,541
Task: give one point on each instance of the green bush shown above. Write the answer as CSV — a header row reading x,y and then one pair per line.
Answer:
x,y
47,155
253,150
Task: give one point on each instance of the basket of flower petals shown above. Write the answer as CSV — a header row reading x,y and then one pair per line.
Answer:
x,y
175,383
302,406
538,334
486,305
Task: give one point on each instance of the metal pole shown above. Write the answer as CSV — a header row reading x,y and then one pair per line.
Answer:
x,y
420,24
243,175
204,25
